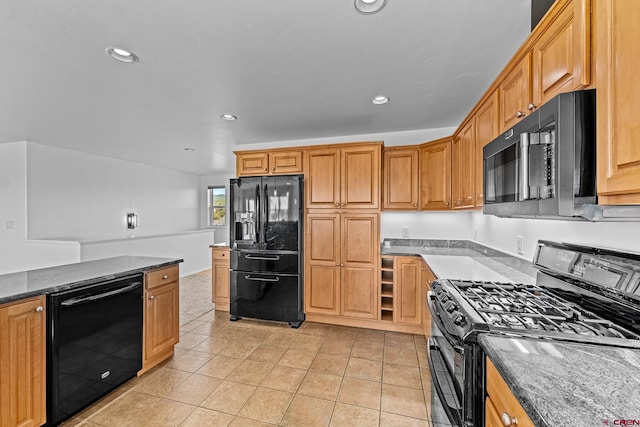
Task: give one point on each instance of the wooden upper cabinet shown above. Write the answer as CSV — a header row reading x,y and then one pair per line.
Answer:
x,y
343,178
22,362
275,162
285,162
515,93
617,61
252,163
322,178
435,175
400,178
487,128
360,181
562,54
462,165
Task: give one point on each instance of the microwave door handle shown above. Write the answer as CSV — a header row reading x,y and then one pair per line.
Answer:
x,y
523,170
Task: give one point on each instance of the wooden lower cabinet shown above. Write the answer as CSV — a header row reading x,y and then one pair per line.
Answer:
x,y
220,277
23,363
501,405
161,316
341,264
408,289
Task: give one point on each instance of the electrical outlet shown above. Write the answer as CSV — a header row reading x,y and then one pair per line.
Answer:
x,y
475,234
405,232
520,245
9,225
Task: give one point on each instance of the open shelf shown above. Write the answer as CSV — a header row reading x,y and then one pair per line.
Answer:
x,y
386,316
386,288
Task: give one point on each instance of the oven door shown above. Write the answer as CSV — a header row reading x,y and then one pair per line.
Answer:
x,y
447,367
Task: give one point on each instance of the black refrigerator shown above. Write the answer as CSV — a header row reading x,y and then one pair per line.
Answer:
x,y
266,248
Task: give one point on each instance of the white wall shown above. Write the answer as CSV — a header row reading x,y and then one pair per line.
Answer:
x,y
74,195
16,253
408,137
500,233
426,225
193,247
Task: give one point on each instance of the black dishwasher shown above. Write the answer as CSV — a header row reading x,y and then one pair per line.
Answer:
x,y
94,343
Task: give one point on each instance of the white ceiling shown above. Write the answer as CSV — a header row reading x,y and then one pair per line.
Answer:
x,y
289,69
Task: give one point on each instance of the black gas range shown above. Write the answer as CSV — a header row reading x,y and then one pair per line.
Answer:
x,y
582,294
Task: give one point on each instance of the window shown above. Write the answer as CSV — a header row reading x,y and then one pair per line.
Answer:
x,y
217,201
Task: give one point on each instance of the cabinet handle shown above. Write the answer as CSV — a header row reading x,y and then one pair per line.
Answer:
x,y
508,420
152,297
165,277
531,106
39,309
519,114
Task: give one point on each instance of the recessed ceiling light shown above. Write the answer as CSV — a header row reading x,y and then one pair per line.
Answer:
x,y
190,149
380,99
369,6
229,117
122,55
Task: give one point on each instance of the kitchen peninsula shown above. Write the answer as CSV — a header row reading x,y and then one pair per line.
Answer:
x,y
28,314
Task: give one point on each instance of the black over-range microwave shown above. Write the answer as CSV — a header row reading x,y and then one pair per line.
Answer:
x,y
545,166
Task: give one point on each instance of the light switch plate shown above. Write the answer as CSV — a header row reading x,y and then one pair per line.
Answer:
x,y
405,232
520,245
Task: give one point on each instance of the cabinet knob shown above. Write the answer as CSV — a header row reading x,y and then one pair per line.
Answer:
x,y
519,114
415,205
337,265
341,265
508,420
446,203
165,277
531,106
274,169
152,297
337,205
39,309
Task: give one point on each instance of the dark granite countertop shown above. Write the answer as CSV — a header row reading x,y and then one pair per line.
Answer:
x,y
463,260
569,384
16,286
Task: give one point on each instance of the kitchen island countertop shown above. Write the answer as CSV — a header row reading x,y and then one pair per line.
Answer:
x,y
566,383
25,284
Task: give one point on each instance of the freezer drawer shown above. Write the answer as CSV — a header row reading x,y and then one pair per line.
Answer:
x,y
266,296
268,262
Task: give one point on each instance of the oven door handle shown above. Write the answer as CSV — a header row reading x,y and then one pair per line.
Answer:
x,y
435,317
450,402
262,279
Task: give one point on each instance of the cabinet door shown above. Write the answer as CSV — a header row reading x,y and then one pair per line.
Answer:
x,y
462,165
252,164
562,55
617,109
409,279
322,178
427,278
435,175
359,265
500,396
359,292
322,263
515,93
220,277
22,363
161,319
487,128
285,162
360,179
400,179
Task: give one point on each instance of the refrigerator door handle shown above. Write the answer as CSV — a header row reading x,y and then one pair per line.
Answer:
x,y
265,217
262,279
258,206
263,258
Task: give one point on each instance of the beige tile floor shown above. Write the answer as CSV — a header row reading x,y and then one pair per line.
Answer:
x,y
253,373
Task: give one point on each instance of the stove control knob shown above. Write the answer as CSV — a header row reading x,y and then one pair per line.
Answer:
x,y
459,320
445,298
451,307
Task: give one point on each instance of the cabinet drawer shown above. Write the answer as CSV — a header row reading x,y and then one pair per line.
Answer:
x,y
161,276
221,254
